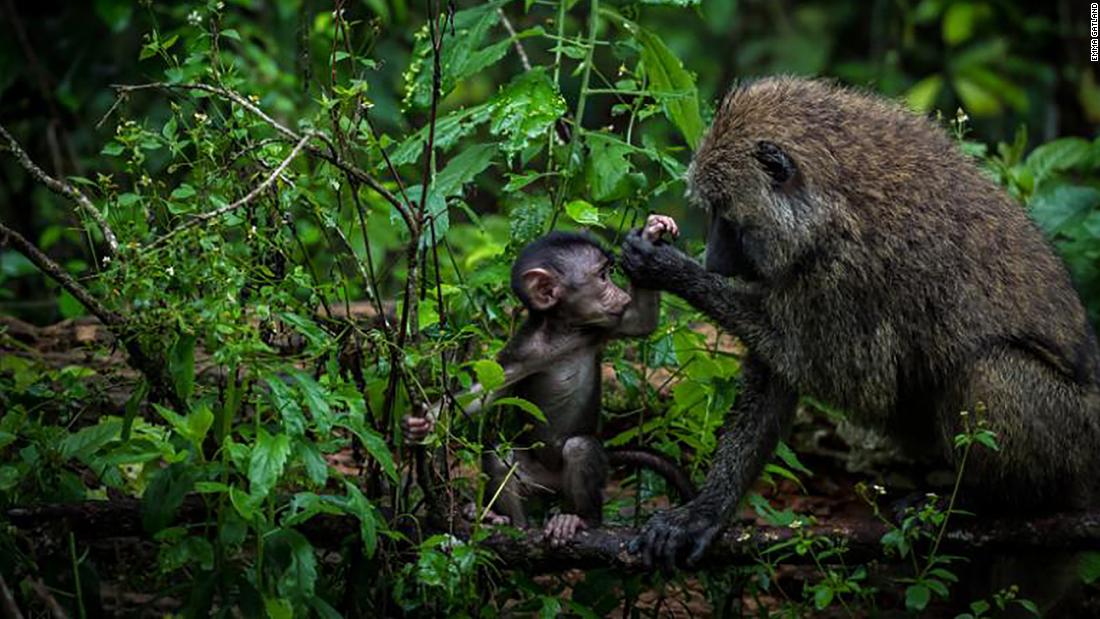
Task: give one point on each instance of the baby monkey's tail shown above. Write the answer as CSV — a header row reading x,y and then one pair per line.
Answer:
x,y
658,463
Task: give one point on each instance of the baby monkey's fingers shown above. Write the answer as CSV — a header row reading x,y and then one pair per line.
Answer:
x,y
416,428
658,225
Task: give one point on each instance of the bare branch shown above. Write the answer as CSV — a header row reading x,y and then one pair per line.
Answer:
x,y
59,275
523,59
63,189
199,219
8,608
43,593
330,155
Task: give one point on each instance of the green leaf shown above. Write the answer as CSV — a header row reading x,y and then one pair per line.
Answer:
x,y
959,21
265,467
922,96
917,597
823,597
69,306
489,373
377,448
87,441
183,192
525,405
462,53
524,110
361,508
181,365
115,13
278,608
463,168
1057,209
608,168
977,100
192,427
293,552
1057,156
317,397
313,460
1088,567
673,85
583,213
244,503
283,401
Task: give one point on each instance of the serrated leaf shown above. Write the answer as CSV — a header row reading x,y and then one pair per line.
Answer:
x,y
463,168
524,109
378,449
1057,156
360,507
317,398
266,464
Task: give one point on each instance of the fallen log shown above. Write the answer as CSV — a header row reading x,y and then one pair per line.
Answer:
x,y
741,544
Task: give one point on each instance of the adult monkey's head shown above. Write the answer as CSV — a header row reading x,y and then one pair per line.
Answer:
x,y
765,173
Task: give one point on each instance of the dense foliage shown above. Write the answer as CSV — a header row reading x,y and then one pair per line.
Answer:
x,y
315,209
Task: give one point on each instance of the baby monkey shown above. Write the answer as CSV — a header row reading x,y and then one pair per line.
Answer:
x,y
553,361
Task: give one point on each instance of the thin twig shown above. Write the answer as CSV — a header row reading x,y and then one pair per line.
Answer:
x,y
8,606
199,219
59,275
523,59
63,189
331,155
48,599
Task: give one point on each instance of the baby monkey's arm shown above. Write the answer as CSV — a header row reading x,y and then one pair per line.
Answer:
x,y
644,310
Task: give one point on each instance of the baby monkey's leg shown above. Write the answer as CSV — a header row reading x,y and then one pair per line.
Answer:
x,y
508,506
584,474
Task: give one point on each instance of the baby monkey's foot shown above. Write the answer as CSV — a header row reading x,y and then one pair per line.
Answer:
x,y
562,527
489,517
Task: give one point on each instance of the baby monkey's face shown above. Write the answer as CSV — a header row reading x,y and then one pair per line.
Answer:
x,y
592,298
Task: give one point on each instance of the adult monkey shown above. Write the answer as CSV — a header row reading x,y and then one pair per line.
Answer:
x,y
879,270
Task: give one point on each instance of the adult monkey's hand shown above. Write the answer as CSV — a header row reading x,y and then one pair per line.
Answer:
x,y
655,264
672,534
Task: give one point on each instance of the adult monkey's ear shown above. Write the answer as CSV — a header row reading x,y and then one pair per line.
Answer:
x,y
542,287
776,162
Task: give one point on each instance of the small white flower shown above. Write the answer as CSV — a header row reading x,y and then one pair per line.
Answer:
x,y
194,18
744,536
200,117
170,271
106,260
880,490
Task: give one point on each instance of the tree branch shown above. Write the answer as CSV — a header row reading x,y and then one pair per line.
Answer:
x,y
63,189
743,543
331,155
55,272
199,219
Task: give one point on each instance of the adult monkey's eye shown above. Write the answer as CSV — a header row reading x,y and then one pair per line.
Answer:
x,y
777,163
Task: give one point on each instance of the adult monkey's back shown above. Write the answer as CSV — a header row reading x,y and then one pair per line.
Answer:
x,y
876,268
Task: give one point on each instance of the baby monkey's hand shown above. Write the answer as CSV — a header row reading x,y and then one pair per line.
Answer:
x,y
417,426
657,226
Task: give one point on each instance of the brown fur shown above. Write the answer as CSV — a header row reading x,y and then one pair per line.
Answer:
x,y
893,279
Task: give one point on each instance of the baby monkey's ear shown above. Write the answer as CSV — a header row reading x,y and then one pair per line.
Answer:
x,y
542,287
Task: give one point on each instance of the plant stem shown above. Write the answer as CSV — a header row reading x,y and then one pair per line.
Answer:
x,y
578,117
